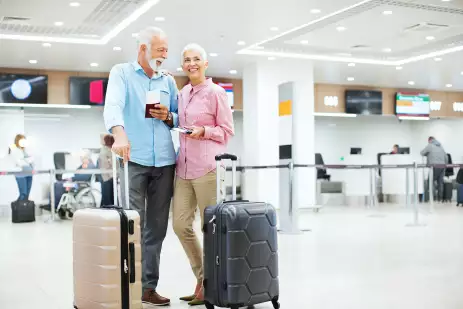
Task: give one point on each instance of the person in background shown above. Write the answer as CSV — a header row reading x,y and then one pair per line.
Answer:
x,y
203,109
25,162
142,137
106,163
395,149
435,154
87,164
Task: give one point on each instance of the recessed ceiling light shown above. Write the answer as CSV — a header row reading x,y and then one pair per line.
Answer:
x,y
430,38
387,13
446,0
46,45
213,54
341,28
159,18
351,64
117,48
59,23
179,69
387,50
411,83
233,71
93,64
351,79
304,42
449,85
74,4
274,28
33,61
398,68
134,35
437,59
241,43
315,11
271,58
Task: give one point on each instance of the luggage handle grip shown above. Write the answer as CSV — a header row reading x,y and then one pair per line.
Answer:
x,y
226,156
218,158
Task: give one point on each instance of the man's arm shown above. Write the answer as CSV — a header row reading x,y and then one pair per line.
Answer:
x,y
426,150
114,112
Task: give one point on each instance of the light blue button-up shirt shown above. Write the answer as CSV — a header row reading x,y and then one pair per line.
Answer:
x,y
150,139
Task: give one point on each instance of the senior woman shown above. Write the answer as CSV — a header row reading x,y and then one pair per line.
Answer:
x,y
203,109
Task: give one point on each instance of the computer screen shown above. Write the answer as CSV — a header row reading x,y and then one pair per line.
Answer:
x,y
355,151
87,90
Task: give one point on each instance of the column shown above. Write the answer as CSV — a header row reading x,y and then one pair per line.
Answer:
x,y
263,130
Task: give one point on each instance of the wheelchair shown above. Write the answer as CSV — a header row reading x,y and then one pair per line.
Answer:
x,y
77,195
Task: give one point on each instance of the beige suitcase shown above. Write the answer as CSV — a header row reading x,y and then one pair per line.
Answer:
x,y
107,256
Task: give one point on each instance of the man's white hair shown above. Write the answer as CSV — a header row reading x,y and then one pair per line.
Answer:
x,y
146,35
194,47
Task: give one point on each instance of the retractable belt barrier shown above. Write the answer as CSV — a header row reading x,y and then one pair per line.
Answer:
x,y
291,166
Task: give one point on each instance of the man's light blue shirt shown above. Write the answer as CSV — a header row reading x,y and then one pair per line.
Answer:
x,y
150,139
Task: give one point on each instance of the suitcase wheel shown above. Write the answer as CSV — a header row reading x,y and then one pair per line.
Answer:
x,y
208,305
275,303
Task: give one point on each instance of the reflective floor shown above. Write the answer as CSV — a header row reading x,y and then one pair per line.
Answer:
x,y
352,258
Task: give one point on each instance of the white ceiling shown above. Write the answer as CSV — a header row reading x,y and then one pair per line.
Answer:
x,y
94,28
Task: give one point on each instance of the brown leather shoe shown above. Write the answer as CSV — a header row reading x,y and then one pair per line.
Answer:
x,y
193,296
152,298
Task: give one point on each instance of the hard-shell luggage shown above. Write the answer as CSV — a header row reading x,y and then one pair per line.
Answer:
x,y
240,251
22,211
107,255
460,195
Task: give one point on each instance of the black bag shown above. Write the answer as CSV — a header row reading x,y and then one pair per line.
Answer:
x,y
460,176
22,211
448,192
240,251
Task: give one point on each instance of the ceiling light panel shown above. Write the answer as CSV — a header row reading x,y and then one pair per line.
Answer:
x,y
105,20
329,43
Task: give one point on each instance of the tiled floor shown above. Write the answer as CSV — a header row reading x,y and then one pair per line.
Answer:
x,y
352,258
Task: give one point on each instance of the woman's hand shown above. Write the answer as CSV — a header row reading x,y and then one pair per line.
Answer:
x,y
197,133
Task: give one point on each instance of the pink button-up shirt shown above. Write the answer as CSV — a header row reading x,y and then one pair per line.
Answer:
x,y
204,105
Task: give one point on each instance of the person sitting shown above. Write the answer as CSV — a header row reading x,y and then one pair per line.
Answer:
x,y
395,149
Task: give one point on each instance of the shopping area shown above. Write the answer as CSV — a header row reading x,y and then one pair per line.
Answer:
x,y
342,113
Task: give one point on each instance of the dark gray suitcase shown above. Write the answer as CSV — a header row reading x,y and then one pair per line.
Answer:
x,y
240,251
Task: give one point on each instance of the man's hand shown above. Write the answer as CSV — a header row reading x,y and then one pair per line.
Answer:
x,y
197,133
160,112
121,145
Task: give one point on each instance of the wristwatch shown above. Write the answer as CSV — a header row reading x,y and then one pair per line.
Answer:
x,y
169,116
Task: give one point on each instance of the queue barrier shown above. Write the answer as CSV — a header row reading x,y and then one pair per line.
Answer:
x,y
291,166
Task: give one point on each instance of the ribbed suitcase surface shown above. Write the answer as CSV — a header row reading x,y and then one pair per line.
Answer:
x,y
241,259
99,267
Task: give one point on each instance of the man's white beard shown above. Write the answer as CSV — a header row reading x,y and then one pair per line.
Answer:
x,y
153,63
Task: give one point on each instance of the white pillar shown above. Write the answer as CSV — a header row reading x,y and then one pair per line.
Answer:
x,y
262,131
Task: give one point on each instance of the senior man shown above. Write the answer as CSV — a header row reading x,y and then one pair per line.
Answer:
x,y
142,137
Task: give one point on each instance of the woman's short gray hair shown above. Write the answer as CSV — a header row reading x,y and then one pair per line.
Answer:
x,y
194,47
146,35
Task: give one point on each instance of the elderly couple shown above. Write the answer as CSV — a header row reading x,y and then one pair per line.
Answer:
x,y
143,138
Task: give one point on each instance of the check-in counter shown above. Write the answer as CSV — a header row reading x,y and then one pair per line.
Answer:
x,y
357,182
394,180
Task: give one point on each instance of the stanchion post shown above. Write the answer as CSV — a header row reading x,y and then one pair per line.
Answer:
x,y
415,192
407,187
431,188
52,194
370,169
290,206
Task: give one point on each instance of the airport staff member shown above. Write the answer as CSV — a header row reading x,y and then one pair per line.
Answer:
x,y
142,137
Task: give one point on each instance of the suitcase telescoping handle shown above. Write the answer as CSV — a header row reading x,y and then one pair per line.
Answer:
x,y
126,182
218,159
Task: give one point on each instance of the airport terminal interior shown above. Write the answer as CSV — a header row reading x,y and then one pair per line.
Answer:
x,y
346,117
